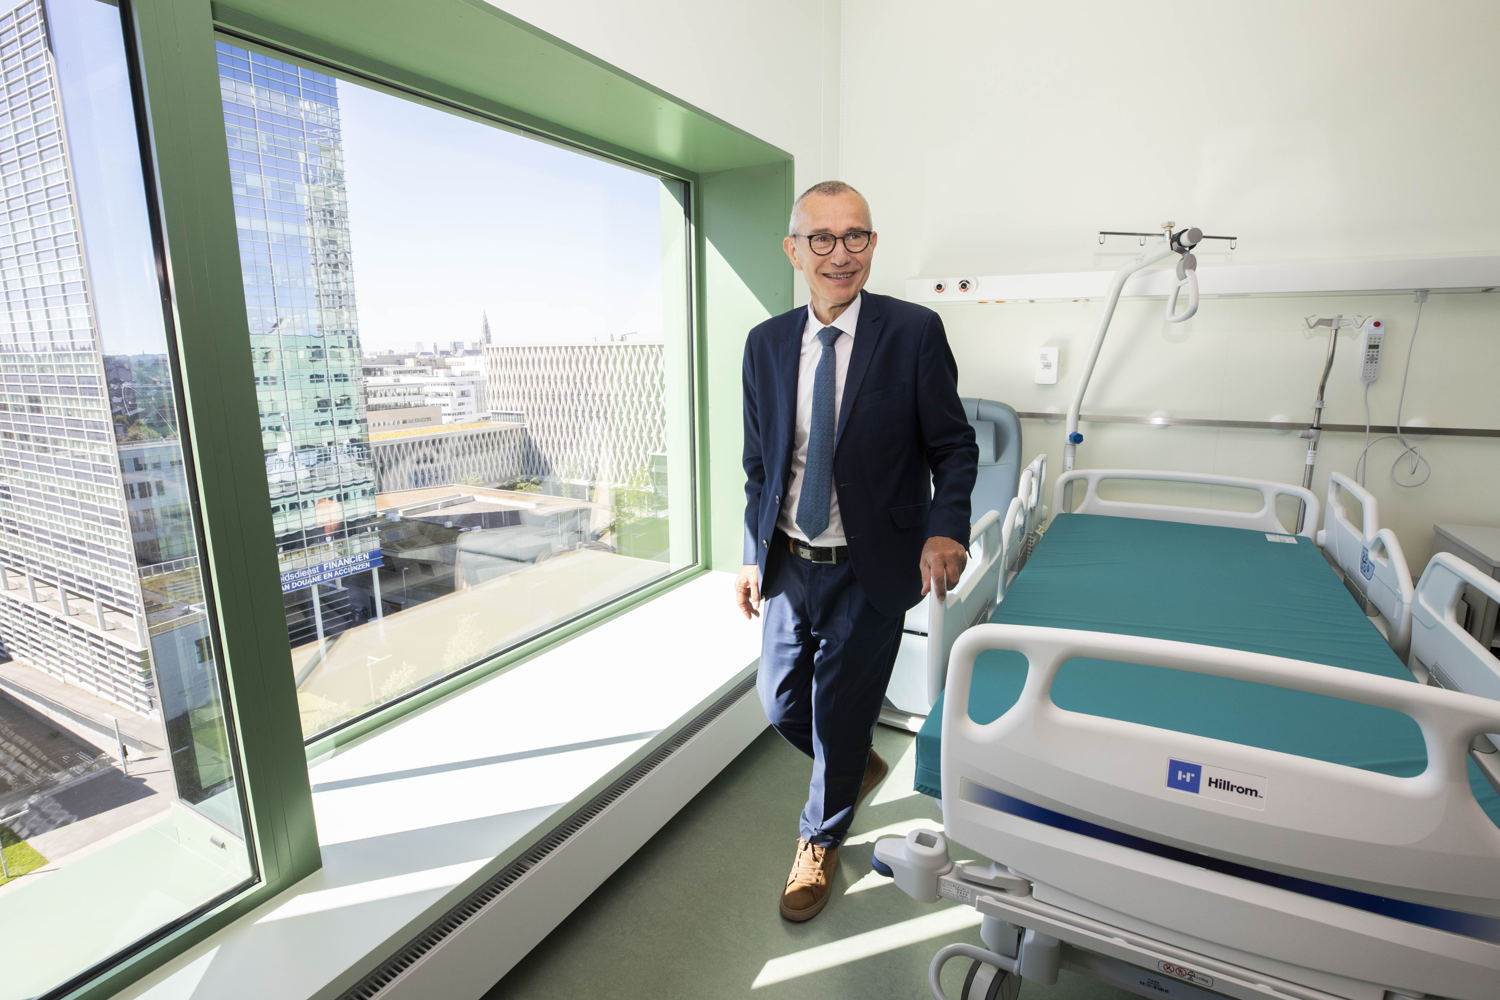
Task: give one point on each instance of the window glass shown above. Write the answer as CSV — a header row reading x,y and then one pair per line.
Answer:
x,y
472,358
119,811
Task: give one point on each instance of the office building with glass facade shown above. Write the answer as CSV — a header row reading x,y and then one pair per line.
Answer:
x,y
70,592
291,214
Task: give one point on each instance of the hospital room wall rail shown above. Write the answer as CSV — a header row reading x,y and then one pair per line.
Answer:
x,y
1273,425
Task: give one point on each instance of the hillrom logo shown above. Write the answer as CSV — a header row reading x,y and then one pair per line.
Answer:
x,y
1220,783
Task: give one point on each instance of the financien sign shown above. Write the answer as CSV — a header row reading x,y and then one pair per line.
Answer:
x,y
296,579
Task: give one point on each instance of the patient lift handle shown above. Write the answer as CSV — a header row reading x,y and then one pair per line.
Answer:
x,y
1180,242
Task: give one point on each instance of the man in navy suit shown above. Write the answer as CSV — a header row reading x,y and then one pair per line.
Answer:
x,y
859,462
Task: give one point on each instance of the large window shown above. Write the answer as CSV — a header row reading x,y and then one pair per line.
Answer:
x,y
119,807
472,359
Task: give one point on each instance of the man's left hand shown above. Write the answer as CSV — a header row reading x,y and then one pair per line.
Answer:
x,y
943,561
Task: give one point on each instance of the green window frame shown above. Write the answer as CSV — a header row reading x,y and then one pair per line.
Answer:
x,y
478,60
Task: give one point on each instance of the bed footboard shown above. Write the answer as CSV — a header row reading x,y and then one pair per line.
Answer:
x,y
1248,854
1423,839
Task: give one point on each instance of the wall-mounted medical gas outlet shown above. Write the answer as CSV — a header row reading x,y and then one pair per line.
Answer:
x,y
949,290
1046,366
1371,337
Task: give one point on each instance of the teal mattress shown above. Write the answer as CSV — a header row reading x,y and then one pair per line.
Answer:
x,y
1217,586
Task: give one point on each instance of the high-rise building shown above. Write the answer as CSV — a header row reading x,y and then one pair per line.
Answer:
x,y
99,580
286,164
71,599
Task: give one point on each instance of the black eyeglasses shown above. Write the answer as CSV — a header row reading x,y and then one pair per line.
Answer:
x,y
855,240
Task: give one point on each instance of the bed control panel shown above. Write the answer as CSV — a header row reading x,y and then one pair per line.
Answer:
x,y
1371,338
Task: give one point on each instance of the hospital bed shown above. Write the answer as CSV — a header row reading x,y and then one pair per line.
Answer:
x,y
1201,772
1003,502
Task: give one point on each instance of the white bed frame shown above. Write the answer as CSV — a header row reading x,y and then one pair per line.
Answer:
x,y
1163,927
1422,839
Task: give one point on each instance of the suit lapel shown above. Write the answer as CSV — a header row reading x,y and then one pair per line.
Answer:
x,y
866,338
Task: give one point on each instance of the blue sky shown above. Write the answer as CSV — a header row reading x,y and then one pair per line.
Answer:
x,y
450,217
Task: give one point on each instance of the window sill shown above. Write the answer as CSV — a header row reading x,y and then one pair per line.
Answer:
x,y
411,817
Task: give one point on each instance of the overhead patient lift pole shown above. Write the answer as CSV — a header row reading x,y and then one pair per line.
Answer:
x,y
1182,243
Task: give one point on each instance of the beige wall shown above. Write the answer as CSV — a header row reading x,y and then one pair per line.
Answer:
x,y
997,138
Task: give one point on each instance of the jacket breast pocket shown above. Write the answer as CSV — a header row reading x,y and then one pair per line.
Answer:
x,y
909,516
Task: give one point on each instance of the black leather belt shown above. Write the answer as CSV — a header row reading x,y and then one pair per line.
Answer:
x,y
831,555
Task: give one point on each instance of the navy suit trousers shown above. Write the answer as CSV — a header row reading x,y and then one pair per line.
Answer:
x,y
825,661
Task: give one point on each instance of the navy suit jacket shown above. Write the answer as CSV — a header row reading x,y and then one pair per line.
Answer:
x,y
904,456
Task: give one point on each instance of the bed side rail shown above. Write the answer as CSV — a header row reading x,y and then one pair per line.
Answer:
x,y
979,589
1031,492
1439,643
1084,485
1369,556
1423,839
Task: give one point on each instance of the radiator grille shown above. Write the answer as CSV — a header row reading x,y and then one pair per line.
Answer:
x,y
371,986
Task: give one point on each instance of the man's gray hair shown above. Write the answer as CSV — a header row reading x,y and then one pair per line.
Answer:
x,y
822,188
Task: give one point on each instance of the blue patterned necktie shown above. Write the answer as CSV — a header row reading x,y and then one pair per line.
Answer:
x,y
817,480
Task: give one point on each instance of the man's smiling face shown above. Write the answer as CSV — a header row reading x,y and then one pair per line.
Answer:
x,y
835,280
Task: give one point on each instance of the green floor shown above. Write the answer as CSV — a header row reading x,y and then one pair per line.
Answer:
x,y
693,915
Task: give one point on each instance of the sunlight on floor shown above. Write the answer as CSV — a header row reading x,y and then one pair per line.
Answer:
x,y
898,829
898,784
861,946
870,880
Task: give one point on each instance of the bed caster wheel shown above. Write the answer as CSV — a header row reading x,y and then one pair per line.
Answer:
x,y
985,982
880,867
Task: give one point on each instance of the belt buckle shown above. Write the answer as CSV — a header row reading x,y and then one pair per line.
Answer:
x,y
812,557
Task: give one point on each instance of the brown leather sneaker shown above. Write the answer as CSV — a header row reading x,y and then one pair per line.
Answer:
x,y
811,882
875,771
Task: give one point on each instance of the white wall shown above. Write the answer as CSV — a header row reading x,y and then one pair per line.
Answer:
x,y
762,67
998,138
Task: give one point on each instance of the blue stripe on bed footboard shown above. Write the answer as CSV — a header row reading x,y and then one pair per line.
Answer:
x,y
1452,921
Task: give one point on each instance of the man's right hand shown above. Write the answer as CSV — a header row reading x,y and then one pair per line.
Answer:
x,y
747,590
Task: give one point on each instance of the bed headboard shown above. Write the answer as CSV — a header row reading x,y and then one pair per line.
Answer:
x,y
1265,518
1369,556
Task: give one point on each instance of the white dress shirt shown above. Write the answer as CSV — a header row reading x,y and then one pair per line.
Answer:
x,y
807,367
